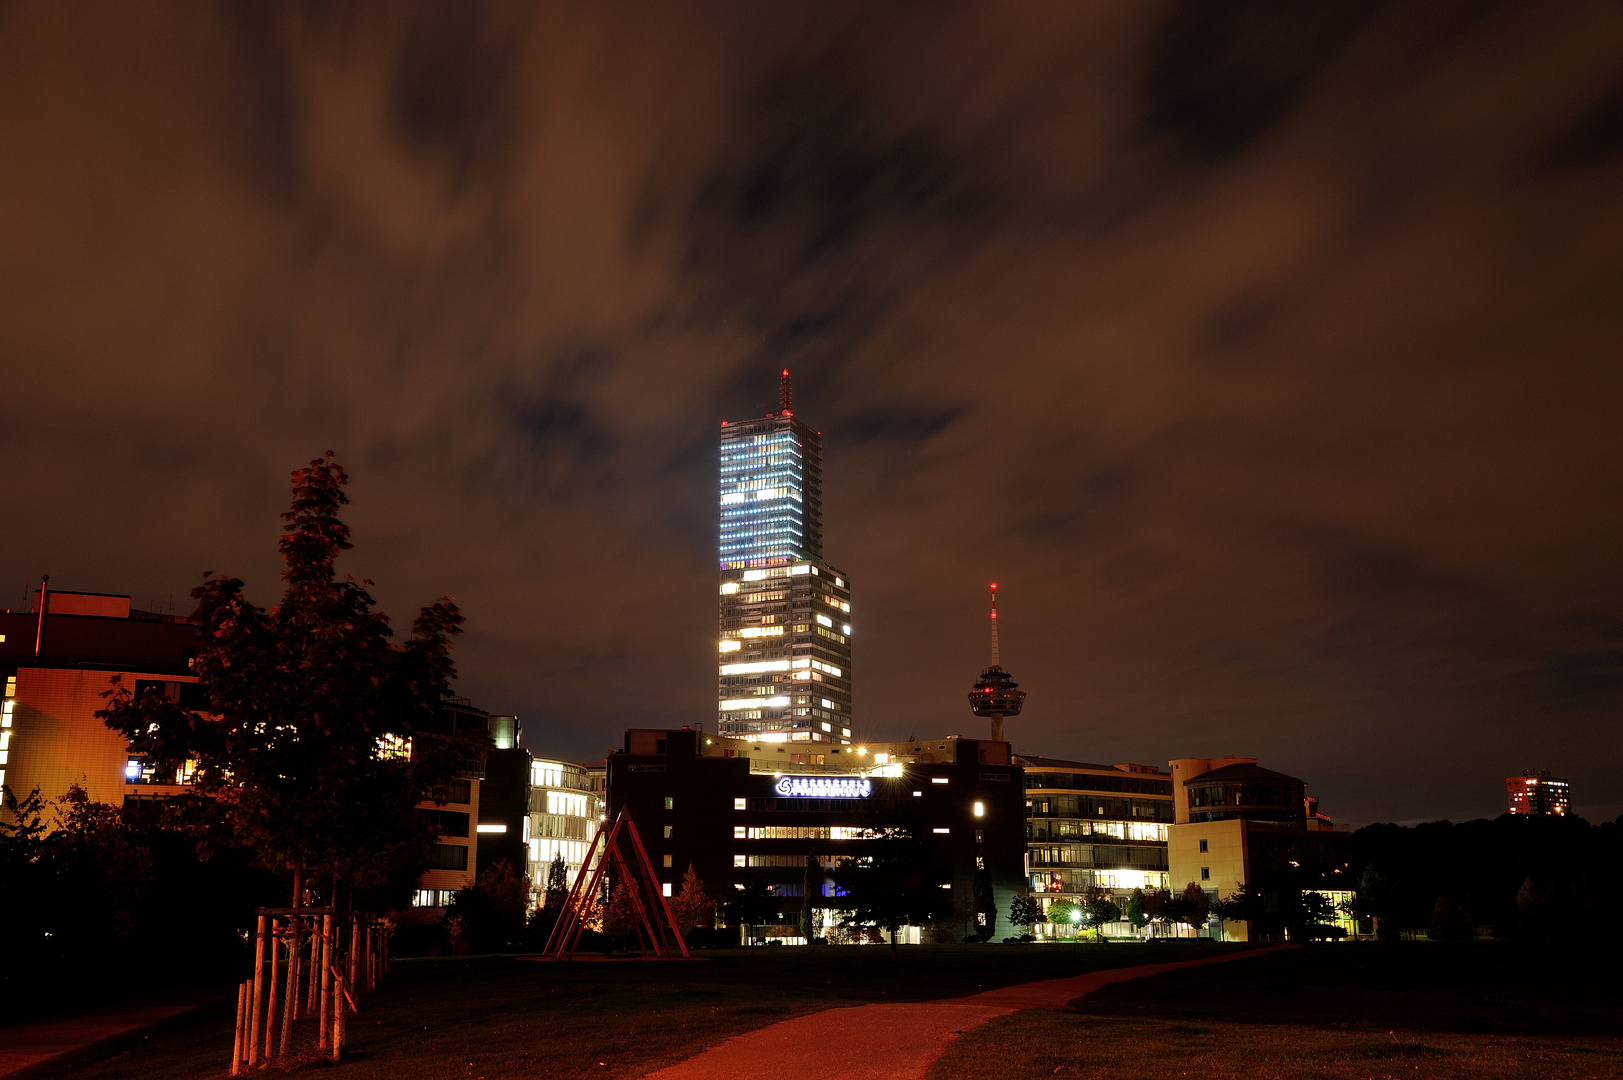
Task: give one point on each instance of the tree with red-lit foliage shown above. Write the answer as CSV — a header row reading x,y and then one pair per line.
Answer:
x,y
320,737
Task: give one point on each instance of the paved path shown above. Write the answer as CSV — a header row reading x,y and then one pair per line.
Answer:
x,y
892,1041
26,1044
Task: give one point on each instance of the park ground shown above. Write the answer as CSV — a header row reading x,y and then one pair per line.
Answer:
x,y
1428,1011
1348,1010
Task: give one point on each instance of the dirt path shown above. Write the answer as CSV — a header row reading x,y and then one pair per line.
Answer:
x,y
26,1044
892,1041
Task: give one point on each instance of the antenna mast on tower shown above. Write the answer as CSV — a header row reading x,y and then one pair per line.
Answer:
x,y
786,394
997,695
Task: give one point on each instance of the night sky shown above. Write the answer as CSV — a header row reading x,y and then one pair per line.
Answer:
x,y
1267,355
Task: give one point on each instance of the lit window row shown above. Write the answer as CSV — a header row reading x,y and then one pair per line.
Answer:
x,y
730,704
758,666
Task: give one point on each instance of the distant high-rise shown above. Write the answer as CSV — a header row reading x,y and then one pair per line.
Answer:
x,y
1537,792
996,695
785,645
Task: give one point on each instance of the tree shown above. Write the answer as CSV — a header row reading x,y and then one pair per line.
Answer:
x,y
812,888
890,886
1136,915
492,908
1158,907
620,918
753,904
985,903
321,737
1193,907
553,898
692,905
1099,909
1449,922
557,890
1242,906
1025,911
1065,913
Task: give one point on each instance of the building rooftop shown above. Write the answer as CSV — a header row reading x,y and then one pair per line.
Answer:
x,y
1243,771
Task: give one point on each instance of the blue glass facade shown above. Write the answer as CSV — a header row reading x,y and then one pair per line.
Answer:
x,y
784,651
771,493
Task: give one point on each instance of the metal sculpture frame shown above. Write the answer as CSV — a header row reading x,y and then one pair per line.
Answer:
x,y
566,933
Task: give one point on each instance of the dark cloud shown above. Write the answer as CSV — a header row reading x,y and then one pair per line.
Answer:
x,y
1264,353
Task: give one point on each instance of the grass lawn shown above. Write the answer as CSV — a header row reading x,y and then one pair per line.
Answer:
x,y
1474,1010
486,1018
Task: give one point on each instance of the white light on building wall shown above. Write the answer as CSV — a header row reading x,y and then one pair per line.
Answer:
x,y
761,631
729,587
754,703
755,668
729,645
980,809
755,575
845,628
796,571
496,828
826,621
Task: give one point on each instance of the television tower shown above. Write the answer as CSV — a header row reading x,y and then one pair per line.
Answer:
x,y
997,695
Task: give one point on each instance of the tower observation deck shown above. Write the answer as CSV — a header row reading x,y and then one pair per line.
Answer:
x,y
996,695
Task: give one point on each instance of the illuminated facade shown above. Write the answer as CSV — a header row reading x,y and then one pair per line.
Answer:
x,y
54,669
738,810
784,651
1094,826
1241,826
1537,792
564,815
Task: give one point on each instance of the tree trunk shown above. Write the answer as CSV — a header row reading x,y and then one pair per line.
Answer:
x,y
893,953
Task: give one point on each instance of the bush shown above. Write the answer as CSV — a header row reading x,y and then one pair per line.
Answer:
x,y
1449,922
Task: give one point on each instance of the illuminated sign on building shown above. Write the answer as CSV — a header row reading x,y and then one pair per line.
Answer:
x,y
823,787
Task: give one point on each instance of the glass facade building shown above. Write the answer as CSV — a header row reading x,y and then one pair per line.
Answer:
x,y
564,814
784,650
1095,826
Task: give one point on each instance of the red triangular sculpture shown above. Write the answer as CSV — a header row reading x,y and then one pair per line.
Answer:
x,y
565,936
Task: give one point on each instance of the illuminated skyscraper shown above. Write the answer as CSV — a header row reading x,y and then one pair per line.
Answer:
x,y
785,644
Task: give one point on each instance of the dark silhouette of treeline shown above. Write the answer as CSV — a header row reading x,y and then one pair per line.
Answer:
x,y
1513,876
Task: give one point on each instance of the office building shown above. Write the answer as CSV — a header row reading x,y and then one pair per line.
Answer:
x,y
1094,826
1240,826
784,668
565,809
1537,792
56,662
739,809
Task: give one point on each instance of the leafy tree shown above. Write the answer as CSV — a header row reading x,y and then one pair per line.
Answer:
x,y
1099,908
812,888
553,898
890,886
1158,907
492,908
752,906
557,890
1136,915
985,902
1025,911
321,737
1193,907
692,905
1244,906
620,918
1449,922
1064,913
